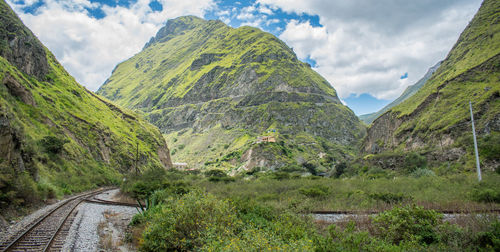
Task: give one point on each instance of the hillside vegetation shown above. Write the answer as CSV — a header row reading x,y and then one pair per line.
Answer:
x,y
56,137
435,121
213,90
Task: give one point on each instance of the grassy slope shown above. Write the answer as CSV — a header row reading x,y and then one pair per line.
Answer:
x,y
101,137
469,72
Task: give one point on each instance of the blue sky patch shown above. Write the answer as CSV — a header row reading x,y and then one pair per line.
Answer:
x,y
365,103
96,13
32,8
155,6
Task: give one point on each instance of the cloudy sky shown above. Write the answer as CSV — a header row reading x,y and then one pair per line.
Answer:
x,y
369,50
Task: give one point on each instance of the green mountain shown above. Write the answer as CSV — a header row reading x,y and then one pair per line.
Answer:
x,y
56,136
213,90
436,120
409,91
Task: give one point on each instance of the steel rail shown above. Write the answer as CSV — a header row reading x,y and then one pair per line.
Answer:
x,y
17,240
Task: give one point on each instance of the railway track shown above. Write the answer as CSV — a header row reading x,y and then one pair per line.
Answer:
x,y
49,232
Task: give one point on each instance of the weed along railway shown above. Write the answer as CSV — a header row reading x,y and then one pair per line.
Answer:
x,y
48,233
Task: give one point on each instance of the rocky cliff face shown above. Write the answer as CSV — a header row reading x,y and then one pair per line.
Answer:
x,y
436,120
19,46
197,77
55,136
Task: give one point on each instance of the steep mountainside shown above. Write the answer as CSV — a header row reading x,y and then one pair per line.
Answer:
x,y
409,91
55,136
212,90
436,120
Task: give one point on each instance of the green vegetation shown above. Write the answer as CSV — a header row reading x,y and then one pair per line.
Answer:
x,y
267,213
57,137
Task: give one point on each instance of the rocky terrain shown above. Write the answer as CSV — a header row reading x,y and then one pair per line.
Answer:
x,y
213,90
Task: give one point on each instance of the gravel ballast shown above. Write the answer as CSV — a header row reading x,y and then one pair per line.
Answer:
x,y
84,232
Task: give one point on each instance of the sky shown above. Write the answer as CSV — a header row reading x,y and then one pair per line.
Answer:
x,y
369,50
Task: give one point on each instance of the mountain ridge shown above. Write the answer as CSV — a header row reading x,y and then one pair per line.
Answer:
x,y
238,82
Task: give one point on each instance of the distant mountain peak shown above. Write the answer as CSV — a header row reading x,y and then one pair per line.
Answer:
x,y
215,89
178,26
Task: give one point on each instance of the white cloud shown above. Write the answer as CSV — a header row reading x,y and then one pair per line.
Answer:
x,y
266,10
366,50
90,48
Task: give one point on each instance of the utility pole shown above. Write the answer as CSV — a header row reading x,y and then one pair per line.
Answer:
x,y
137,160
475,143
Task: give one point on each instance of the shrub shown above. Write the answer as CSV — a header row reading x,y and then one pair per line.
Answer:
x,y
351,240
225,179
489,239
315,191
53,144
339,169
215,173
486,195
230,156
408,223
140,187
422,172
280,175
188,223
201,222
376,172
310,168
413,161
489,148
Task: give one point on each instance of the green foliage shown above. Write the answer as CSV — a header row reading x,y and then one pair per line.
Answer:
x,y
231,156
315,191
240,216
53,144
486,195
218,176
353,193
280,175
339,169
489,146
414,161
489,239
408,223
351,239
422,172
198,221
310,167
215,173
143,185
